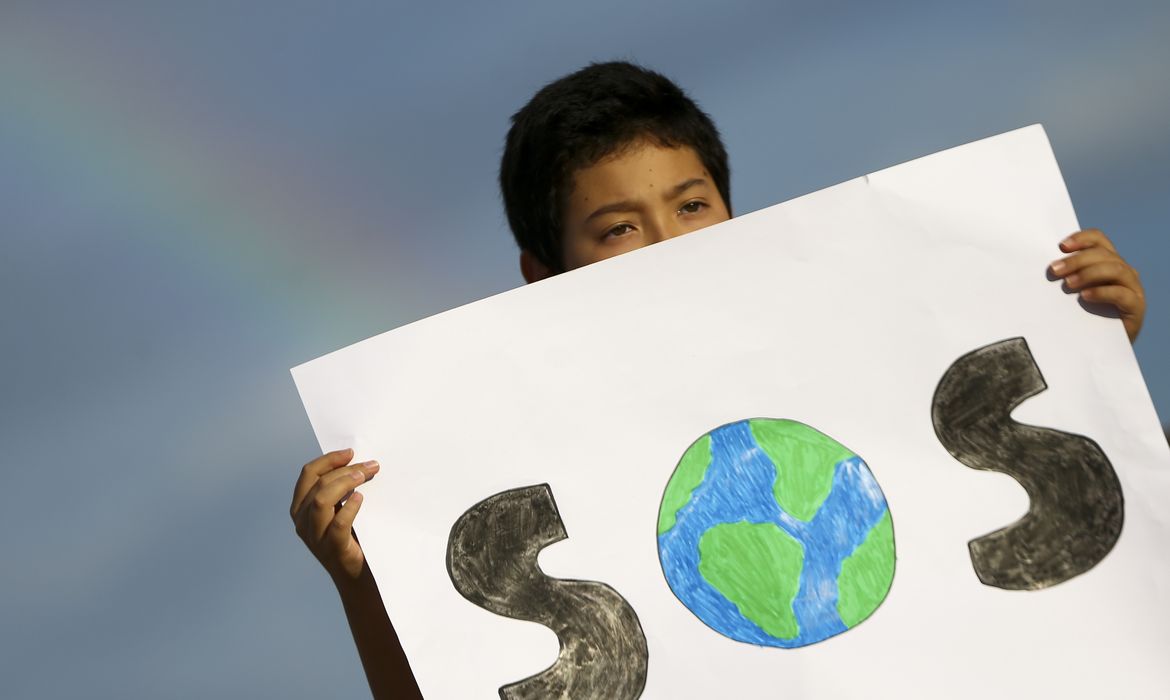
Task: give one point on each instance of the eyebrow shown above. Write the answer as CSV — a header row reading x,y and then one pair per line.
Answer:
x,y
628,205
684,186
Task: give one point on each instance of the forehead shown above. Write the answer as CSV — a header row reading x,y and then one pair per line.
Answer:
x,y
635,171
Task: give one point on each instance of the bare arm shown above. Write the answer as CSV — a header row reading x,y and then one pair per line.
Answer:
x,y
387,671
324,506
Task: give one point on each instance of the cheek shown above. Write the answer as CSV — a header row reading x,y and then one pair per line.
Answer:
x,y
709,218
575,248
575,252
721,213
580,251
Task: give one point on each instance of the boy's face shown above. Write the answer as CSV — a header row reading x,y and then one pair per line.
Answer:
x,y
641,195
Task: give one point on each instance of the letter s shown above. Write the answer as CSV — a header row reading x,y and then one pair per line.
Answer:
x,y
491,558
1076,507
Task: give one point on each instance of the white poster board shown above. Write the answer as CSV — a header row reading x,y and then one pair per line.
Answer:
x,y
842,310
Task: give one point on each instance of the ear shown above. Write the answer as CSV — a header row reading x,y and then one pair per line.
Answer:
x,y
532,269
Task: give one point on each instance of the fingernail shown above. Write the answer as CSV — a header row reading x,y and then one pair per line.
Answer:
x,y
1059,266
1067,241
1073,280
373,465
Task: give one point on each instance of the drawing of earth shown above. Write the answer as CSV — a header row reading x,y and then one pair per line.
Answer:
x,y
775,534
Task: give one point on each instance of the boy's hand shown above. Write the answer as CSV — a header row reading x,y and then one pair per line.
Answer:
x,y
325,525
1102,277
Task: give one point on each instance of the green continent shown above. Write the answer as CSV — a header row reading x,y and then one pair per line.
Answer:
x,y
866,574
686,478
757,567
805,460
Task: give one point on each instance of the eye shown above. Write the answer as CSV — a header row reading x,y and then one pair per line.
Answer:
x,y
692,207
618,230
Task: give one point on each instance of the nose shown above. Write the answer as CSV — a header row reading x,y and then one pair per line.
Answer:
x,y
664,228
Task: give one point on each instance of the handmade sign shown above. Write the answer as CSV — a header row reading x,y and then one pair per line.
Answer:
x,y
853,445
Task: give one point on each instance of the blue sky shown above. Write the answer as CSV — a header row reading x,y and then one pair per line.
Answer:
x,y
199,196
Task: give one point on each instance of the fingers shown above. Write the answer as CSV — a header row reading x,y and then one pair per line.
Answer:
x,y
1089,238
1089,270
321,502
322,520
313,471
339,535
1071,263
1095,270
1093,262
1124,298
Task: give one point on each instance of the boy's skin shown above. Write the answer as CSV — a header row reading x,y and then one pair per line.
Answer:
x,y
642,194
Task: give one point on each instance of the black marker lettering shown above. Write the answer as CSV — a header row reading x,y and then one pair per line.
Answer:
x,y
1076,508
491,558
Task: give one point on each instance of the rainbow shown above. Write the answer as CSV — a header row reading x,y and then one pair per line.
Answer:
x,y
202,191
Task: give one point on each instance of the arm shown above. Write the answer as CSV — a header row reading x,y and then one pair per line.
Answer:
x,y
1094,268
324,506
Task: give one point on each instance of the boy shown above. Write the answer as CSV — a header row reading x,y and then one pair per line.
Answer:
x,y
603,161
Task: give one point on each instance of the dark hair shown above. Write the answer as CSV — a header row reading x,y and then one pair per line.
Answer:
x,y
578,120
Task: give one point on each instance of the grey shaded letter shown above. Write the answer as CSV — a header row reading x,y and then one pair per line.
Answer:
x,y
1076,509
491,558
